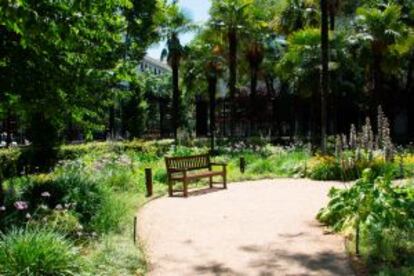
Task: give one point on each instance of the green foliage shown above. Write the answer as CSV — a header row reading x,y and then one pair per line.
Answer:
x,y
117,255
37,252
9,159
351,166
62,63
324,168
384,214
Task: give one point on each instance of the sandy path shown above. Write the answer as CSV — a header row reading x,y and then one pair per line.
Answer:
x,y
253,228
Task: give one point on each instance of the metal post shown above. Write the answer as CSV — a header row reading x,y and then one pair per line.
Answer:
x,y
135,230
242,164
148,181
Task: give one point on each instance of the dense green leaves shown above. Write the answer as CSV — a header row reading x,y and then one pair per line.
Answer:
x,y
382,211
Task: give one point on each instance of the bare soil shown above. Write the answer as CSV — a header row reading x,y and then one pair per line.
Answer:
x,y
263,227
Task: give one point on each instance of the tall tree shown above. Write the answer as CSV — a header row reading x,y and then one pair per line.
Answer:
x,y
62,62
230,15
203,70
175,23
324,85
377,30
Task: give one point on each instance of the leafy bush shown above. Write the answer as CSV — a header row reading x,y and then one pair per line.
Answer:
x,y
350,166
324,168
70,195
110,215
380,213
37,252
9,159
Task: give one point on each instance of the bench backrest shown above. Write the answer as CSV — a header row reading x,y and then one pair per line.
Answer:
x,y
193,162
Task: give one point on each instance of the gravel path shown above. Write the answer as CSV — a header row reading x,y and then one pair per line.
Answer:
x,y
254,228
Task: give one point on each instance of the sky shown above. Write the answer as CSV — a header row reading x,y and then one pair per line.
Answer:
x,y
197,11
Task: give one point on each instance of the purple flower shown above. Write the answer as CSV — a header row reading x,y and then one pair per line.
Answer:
x,y
2,208
21,205
45,194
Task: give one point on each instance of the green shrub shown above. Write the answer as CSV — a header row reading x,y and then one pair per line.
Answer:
x,y
110,215
117,255
324,168
63,221
37,252
383,215
9,162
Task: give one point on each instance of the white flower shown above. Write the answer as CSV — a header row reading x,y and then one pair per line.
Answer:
x,y
45,194
59,207
2,208
28,216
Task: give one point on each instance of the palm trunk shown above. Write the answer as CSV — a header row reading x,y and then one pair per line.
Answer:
x,y
8,128
161,107
253,92
377,79
409,96
212,83
325,71
176,97
112,121
332,18
232,37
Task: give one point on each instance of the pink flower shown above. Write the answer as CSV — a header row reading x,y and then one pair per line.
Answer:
x,y
21,205
45,194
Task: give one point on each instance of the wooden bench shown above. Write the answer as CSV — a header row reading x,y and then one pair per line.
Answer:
x,y
189,168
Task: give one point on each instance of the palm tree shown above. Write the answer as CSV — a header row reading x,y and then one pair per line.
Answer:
x,y
255,56
230,15
379,29
324,85
175,23
213,70
205,66
296,15
299,67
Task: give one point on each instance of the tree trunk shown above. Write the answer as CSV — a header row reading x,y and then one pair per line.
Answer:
x,y
377,79
253,94
325,71
212,83
112,121
8,128
176,96
332,17
232,37
409,96
161,107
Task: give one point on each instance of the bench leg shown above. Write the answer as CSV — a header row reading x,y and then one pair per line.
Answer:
x,y
211,182
224,178
185,191
170,188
